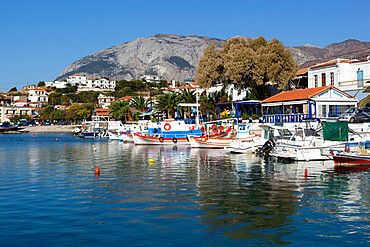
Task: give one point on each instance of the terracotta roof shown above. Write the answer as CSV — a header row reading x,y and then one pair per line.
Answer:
x,y
300,94
302,71
182,87
101,110
359,61
332,62
75,75
125,98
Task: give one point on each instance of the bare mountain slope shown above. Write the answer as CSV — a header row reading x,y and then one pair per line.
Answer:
x,y
168,56
172,56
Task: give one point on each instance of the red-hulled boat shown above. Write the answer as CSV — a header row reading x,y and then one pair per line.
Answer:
x,y
353,161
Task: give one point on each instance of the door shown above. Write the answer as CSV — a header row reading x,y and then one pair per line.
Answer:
x,y
360,78
323,79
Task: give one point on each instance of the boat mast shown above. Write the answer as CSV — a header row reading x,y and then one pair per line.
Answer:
x,y
197,117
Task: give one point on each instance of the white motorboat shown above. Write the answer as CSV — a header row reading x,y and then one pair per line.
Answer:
x,y
308,144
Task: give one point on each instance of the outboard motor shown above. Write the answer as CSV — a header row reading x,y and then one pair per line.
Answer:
x,y
266,148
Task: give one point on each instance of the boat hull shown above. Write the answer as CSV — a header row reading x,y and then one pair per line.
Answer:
x,y
93,135
217,143
298,153
149,140
352,161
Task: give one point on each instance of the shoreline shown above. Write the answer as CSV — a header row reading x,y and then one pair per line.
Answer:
x,y
44,129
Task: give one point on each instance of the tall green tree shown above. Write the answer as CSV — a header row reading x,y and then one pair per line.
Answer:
x,y
248,63
167,103
120,110
187,96
140,103
210,68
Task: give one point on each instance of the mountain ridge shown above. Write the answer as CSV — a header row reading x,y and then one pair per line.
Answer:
x,y
173,56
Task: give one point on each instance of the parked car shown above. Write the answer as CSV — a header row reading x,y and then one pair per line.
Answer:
x,y
46,123
360,116
348,114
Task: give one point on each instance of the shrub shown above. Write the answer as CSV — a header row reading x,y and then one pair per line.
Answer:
x,y
255,117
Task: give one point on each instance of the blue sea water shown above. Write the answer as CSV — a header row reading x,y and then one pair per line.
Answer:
x,y
50,196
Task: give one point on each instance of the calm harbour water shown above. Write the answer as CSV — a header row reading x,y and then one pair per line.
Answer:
x,y
50,196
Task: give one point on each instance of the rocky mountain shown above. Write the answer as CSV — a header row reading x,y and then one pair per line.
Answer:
x,y
169,56
308,55
172,56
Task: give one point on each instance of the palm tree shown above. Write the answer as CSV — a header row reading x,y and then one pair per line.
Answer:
x,y
168,103
119,110
140,103
187,96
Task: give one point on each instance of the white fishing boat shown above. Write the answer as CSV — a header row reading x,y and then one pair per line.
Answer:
x,y
241,132
167,133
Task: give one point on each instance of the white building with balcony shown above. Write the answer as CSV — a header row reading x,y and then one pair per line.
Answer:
x,y
76,80
38,96
99,85
152,78
350,76
57,84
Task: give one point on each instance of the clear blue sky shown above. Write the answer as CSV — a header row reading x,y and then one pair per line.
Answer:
x,y
39,39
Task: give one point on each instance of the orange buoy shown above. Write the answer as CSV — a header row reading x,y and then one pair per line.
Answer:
x,y
97,170
57,139
65,144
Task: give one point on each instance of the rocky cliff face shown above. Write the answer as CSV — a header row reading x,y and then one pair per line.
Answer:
x,y
172,56
168,56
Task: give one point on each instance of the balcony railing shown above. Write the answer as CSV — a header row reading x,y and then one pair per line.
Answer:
x,y
284,118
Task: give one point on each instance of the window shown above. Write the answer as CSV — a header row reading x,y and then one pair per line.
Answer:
x,y
360,78
323,110
332,78
315,80
323,79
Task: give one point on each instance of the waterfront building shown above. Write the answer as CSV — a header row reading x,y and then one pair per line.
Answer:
x,y
319,102
7,112
350,76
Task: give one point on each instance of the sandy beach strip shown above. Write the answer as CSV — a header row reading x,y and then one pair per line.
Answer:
x,y
48,129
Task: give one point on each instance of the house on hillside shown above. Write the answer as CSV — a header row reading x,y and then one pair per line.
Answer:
x,y
152,78
74,80
105,100
57,84
98,85
38,96
293,106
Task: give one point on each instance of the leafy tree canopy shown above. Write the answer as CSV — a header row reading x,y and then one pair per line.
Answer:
x,y
247,63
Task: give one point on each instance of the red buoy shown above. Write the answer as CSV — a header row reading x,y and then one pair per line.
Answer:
x,y
97,170
33,134
65,144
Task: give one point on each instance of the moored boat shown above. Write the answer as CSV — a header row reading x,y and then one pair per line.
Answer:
x,y
225,137
354,157
167,133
